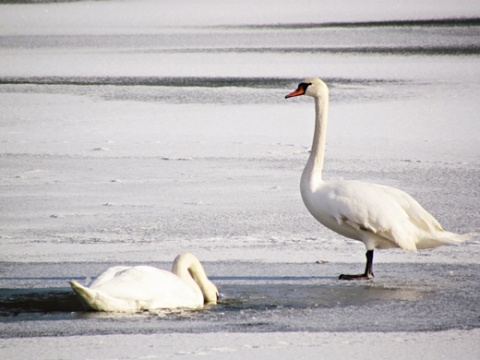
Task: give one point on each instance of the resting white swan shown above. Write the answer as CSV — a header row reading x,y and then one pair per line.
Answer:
x,y
379,216
137,288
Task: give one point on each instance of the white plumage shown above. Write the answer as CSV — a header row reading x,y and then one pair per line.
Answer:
x,y
138,288
379,216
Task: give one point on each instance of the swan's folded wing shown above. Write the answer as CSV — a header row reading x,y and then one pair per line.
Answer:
x,y
138,282
108,275
420,217
149,287
384,211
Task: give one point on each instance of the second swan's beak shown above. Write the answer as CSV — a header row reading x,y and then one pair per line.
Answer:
x,y
300,91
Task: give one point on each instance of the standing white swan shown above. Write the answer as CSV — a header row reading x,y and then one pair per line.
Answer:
x,y
379,216
137,288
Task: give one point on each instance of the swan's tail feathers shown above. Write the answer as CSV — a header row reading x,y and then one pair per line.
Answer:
x,y
453,238
87,296
93,299
443,238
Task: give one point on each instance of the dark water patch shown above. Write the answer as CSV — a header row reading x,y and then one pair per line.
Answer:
x,y
273,294
361,50
321,295
450,50
214,90
446,22
205,82
119,42
149,81
16,301
262,298
394,40
382,50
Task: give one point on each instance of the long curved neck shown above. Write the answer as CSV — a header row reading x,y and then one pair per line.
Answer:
x,y
189,269
312,174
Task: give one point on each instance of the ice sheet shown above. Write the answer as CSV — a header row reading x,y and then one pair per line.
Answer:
x,y
132,131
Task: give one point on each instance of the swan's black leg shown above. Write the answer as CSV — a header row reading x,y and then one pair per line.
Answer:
x,y
367,275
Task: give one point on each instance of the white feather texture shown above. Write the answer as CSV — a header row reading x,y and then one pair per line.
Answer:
x,y
377,215
138,288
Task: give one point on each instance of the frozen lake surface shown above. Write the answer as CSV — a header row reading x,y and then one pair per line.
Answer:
x,y
256,297
130,139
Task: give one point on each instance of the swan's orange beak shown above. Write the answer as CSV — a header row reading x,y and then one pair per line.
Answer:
x,y
300,91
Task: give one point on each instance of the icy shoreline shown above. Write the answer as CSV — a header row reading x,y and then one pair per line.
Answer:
x,y
401,345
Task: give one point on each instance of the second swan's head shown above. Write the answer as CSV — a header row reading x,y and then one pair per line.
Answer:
x,y
210,293
311,87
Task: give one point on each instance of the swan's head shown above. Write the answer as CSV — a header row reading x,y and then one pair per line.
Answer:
x,y
210,293
311,87
187,266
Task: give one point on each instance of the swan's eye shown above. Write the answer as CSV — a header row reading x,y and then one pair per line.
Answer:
x,y
304,86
